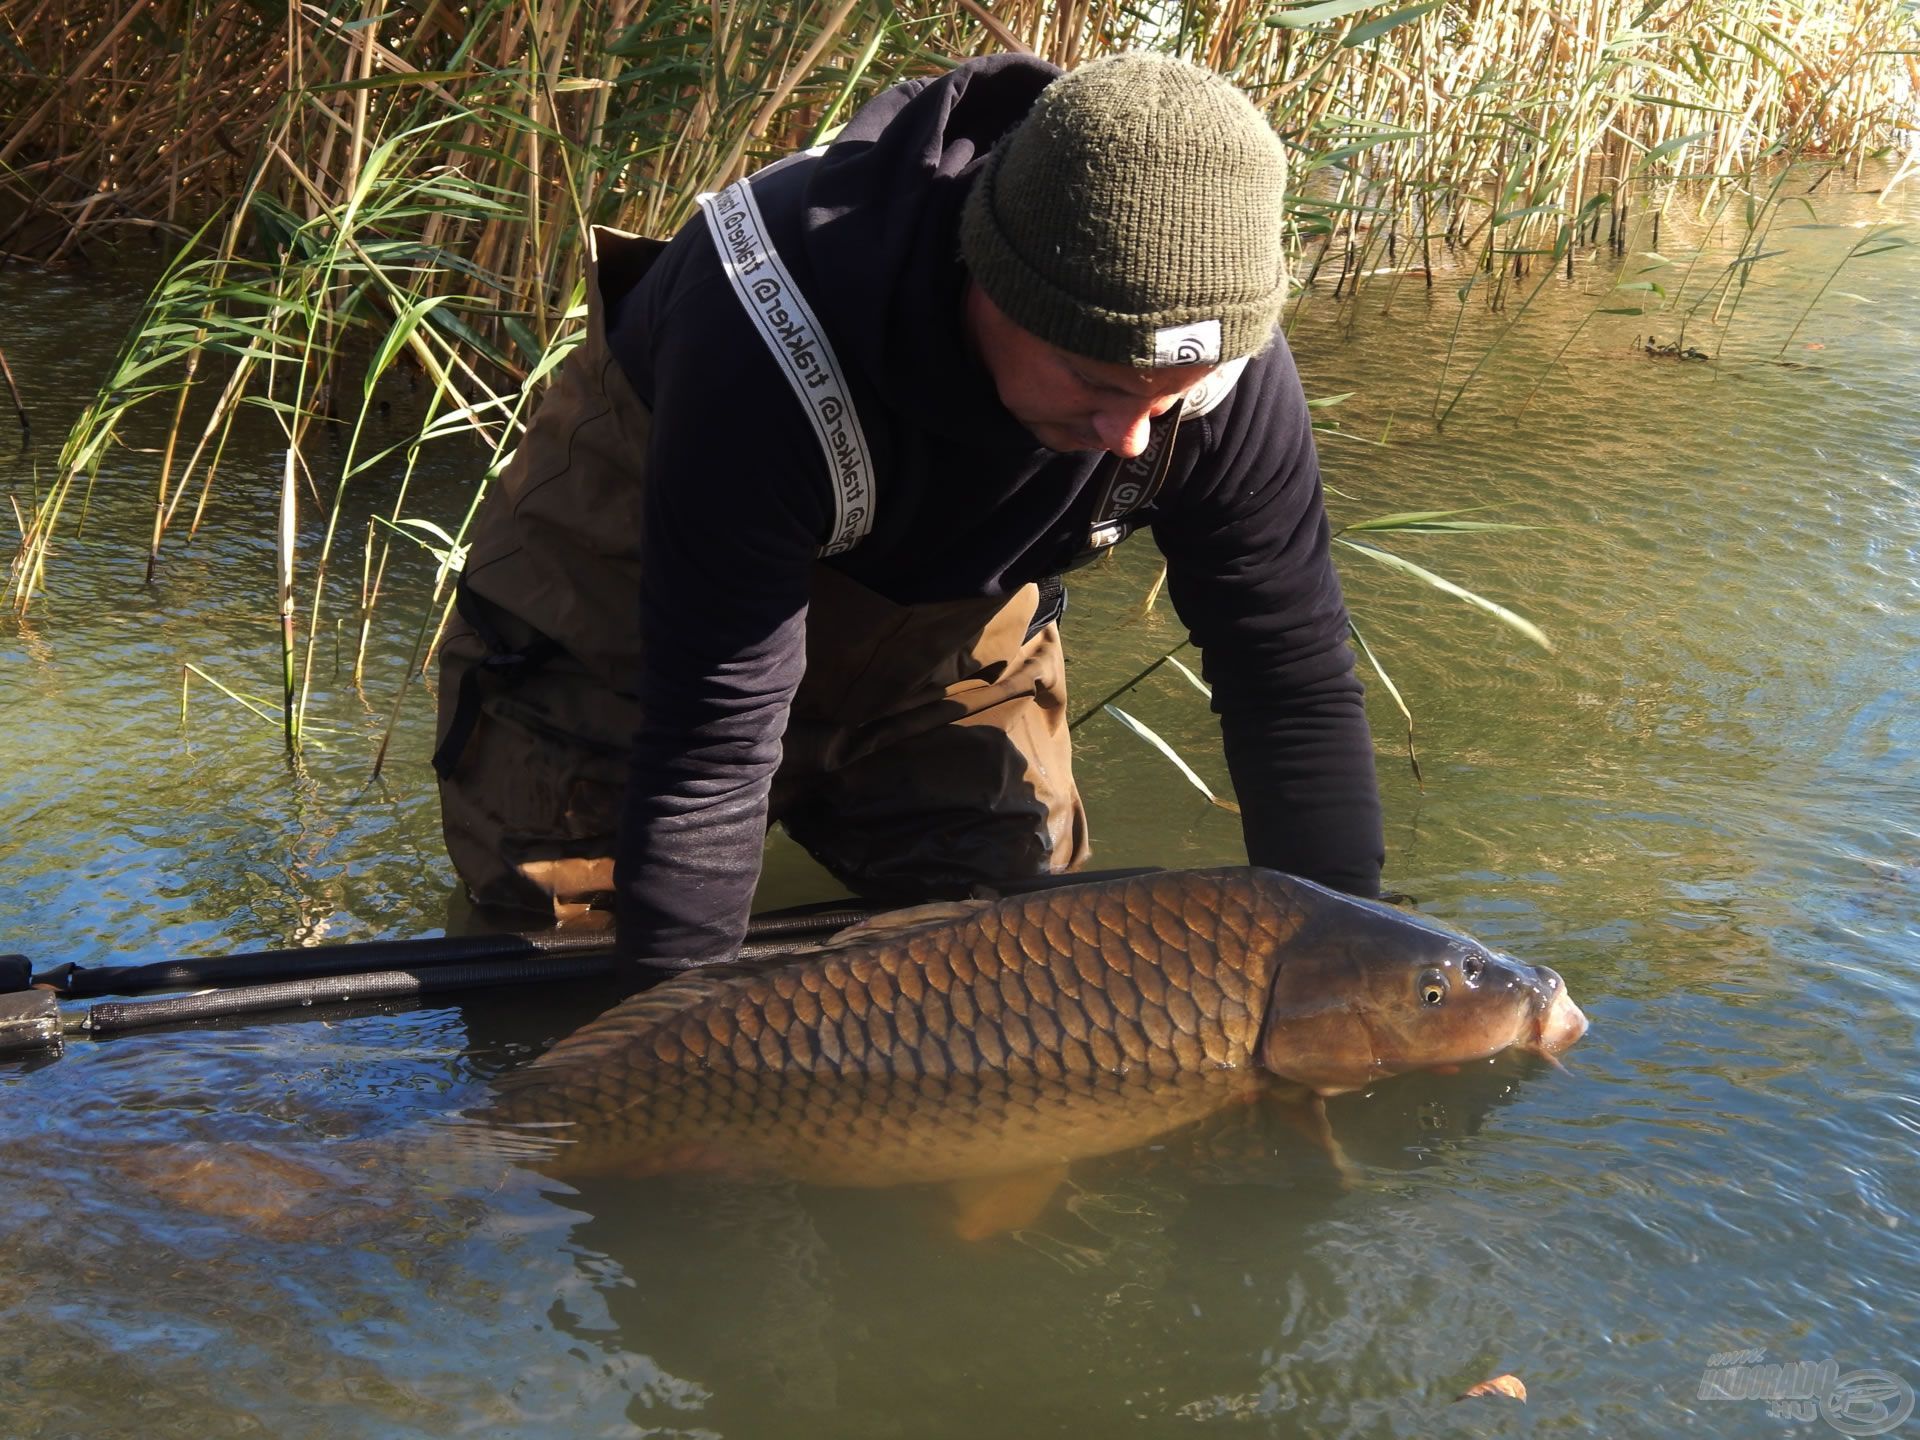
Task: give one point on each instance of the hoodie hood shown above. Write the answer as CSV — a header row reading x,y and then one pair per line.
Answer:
x,y
882,225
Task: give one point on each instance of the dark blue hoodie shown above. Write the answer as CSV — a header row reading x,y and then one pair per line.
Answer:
x,y
738,506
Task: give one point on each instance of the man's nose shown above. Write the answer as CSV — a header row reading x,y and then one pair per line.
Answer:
x,y
1124,429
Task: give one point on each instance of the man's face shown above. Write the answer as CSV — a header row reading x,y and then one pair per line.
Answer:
x,y
1066,401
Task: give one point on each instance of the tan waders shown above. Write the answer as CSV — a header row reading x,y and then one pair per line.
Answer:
x,y
927,746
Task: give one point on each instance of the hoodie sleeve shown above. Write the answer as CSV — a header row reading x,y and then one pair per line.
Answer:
x,y
1250,571
735,512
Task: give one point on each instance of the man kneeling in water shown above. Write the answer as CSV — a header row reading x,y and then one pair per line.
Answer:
x,y
784,541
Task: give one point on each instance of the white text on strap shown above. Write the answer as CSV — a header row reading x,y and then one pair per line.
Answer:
x,y
786,322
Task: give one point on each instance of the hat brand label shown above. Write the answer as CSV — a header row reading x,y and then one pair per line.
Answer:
x,y
1195,344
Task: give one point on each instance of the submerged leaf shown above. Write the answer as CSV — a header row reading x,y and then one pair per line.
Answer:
x,y
1393,693
1422,522
1198,684
1167,750
1500,612
1509,1385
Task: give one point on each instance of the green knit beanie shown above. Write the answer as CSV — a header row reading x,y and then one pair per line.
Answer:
x,y
1134,216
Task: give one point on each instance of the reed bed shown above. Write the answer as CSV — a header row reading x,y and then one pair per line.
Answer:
x,y
347,189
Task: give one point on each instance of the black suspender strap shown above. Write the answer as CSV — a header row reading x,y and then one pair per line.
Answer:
x,y
1126,487
1131,485
785,322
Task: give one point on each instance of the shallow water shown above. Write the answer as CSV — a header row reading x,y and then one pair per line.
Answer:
x,y
1703,808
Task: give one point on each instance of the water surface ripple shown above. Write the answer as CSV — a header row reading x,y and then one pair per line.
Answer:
x,y
1703,807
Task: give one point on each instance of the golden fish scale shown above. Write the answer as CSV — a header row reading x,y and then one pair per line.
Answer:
x,y
887,1130
1163,975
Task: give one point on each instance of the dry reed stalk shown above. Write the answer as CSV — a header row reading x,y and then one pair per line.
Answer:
x,y
1007,38
79,72
288,532
1507,119
19,406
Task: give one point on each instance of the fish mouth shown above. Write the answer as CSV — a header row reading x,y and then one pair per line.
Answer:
x,y
1558,1022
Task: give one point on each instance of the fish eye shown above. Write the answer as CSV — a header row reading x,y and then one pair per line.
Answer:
x,y
1433,988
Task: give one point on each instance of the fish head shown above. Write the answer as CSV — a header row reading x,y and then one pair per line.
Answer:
x,y
1362,991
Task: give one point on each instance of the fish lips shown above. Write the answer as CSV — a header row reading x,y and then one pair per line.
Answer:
x,y
1559,1022
1552,1021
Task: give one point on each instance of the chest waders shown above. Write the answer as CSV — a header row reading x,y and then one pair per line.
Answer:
x,y
926,750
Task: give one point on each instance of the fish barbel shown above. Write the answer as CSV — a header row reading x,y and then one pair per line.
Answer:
x,y
1047,1026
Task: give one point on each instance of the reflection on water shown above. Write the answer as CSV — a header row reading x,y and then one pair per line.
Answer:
x,y
1703,808
1165,1276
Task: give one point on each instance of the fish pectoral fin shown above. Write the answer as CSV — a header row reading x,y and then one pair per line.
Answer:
x,y
989,1205
1307,1113
1343,1168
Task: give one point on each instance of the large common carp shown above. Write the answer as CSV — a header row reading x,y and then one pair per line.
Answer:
x,y
1033,1031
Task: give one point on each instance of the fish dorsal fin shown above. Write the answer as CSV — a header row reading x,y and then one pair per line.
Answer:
x,y
616,1029
891,924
